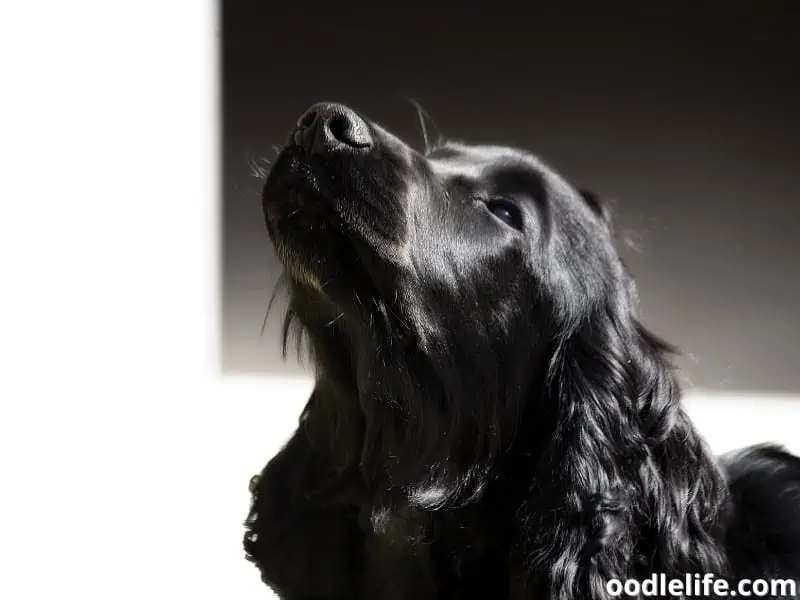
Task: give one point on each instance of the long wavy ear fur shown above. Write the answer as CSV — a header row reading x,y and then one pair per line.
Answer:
x,y
634,491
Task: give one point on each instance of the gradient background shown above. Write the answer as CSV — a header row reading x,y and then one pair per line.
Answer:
x,y
685,115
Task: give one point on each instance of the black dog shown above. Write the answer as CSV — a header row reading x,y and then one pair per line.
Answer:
x,y
489,420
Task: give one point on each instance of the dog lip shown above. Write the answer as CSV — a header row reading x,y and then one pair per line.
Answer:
x,y
294,186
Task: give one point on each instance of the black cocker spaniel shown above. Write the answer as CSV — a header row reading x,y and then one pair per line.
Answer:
x,y
489,420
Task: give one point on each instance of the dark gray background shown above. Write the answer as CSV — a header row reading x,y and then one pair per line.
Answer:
x,y
686,115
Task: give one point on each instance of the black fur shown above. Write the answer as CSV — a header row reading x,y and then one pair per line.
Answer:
x,y
490,420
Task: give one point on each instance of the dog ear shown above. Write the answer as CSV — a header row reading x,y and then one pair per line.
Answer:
x,y
600,206
626,477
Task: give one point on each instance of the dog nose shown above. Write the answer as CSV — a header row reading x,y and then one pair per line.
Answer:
x,y
327,127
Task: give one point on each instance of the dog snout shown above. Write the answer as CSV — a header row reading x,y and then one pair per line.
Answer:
x,y
328,127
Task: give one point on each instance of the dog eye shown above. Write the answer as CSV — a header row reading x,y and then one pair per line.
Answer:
x,y
506,212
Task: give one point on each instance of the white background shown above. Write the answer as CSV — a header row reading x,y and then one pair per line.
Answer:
x,y
124,457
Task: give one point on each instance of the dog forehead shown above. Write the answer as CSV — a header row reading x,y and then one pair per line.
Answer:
x,y
481,161
501,168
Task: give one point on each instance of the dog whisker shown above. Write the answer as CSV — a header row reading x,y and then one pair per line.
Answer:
x,y
256,170
331,322
422,114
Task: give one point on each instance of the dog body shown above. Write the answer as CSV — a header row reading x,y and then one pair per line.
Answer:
x,y
489,419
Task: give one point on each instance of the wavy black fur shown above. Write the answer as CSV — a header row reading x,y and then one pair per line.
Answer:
x,y
490,420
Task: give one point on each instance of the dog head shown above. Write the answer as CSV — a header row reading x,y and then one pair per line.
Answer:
x,y
431,286
468,300
449,248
